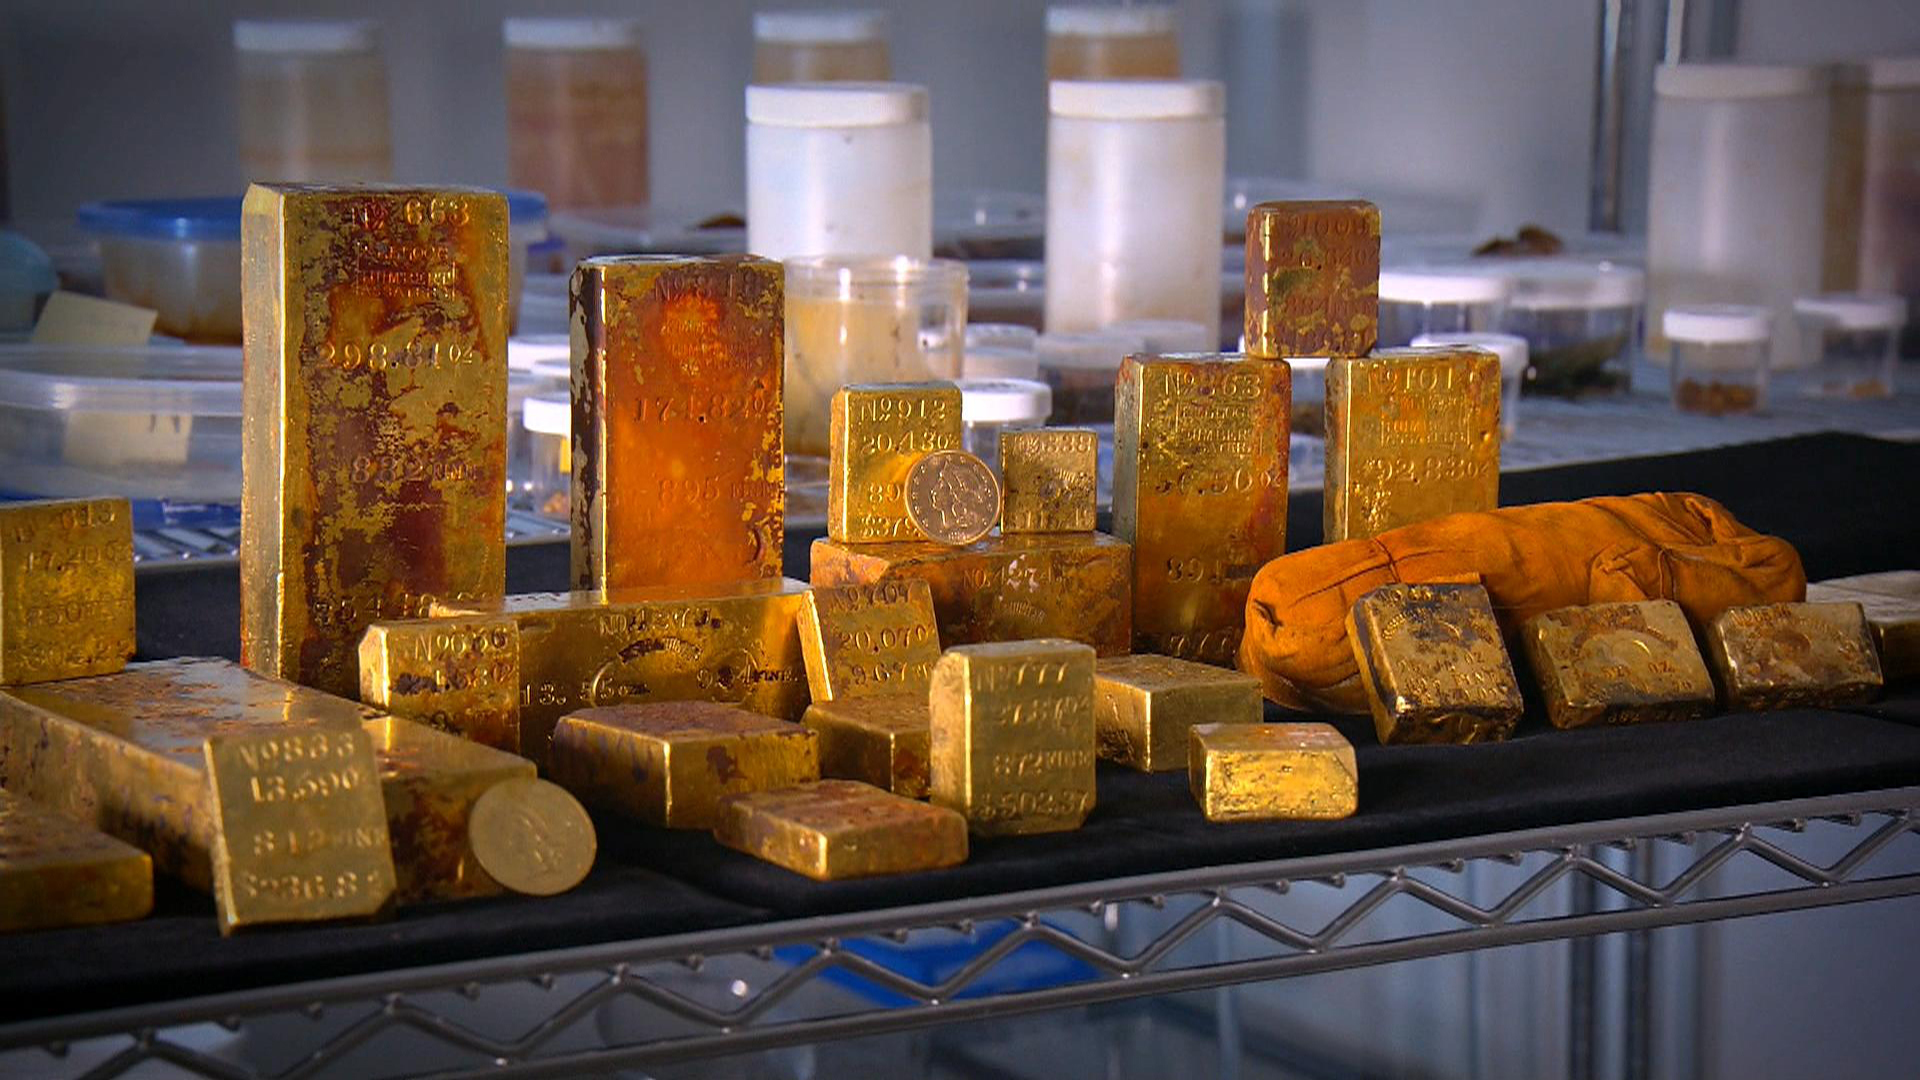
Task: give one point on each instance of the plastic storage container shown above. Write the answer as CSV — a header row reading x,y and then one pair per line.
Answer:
x,y
1852,341
1873,182
548,422
180,257
1720,357
985,224
990,406
1000,351
1106,41
1007,291
1581,320
313,100
1165,336
639,230
820,46
577,110
1512,351
1444,299
1080,369
1309,395
839,169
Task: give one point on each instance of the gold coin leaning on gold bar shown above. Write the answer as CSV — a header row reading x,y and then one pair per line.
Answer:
x,y
838,829
533,837
1412,434
55,871
863,640
1433,665
1200,490
1144,704
1013,735
66,588
952,497
374,430
1622,663
669,763
1272,772
1787,656
430,781
1313,278
460,674
882,740
877,432
1891,601
1050,480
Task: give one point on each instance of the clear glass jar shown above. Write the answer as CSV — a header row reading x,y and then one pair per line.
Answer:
x,y
1000,351
1873,182
990,406
1512,351
1080,369
548,421
313,100
1439,299
1852,342
577,110
1719,357
1581,320
839,169
820,46
1107,41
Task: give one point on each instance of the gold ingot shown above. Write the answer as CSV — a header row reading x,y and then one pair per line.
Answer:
x,y
459,674
1200,491
670,763
838,829
1412,434
431,781
1313,278
678,475
878,431
1433,665
532,837
1624,663
1051,478
56,872
1143,706
862,640
884,741
1788,656
1272,772
375,431
1013,735
66,588
1004,588
1891,601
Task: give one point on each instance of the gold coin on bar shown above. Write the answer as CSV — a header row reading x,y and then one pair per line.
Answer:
x,y
952,497
1891,601
1052,479
1787,656
1144,705
57,872
431,782
878,431
1433,664
1013,735
532,837
862,640
1272,772
882,740
66,588
1623,663
838,829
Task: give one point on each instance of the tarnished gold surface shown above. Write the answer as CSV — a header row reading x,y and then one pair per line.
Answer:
x,y
375,432
1272,772
669,763
66,588
1013,735
1624,663
1412,434
878,431
460,674
1051,477
1313,278
884,741
430,781
1433,664
532,837
1891,601
1785,656
57,872
1143,706
952,497
838,829
1005,588
678,474
862,640
1200,491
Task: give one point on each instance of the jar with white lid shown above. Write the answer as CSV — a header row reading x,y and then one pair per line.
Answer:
x,y
820,46
1166,336
313,100
1852,341
1873,182
1000,351
1111,41
577,110
1081,368
839,169
1581,321
548,421
1439,299
1512,351
1720,357
990,406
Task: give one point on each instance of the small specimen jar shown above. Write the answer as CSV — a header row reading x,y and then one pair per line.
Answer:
x,y
313,100
548,419
839,169
1512,351
1872,195
820,46
1581,321
1106,41
1000,351
989,406
1720,357
577,110
1417,300
1080,368
1852,341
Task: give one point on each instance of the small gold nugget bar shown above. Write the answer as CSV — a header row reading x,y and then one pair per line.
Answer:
x,y
430,781
1313,278
1050,479
839,829
374,445
883,741
1892,604
57,872
1272,772
1786,656
1143,706
460,674
677,466
862,640
1013,735
1200,491
1624,663
878,431
1412,434
670,763
1433,664
66,589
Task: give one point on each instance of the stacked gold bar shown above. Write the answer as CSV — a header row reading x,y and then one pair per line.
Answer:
x,y
1013,736
870,652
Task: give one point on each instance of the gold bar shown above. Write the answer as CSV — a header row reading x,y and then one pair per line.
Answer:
x,y
532,836
1412,434
669,763
678,454
839,829
884,741
1013,735
862,640
1143,706
878,430
1051,477
375,451
430,781
1790,656
460,674
56,872
66,588
1004,588
1313,278
1200,491
1891,601
1272,772
1624,663
1433,664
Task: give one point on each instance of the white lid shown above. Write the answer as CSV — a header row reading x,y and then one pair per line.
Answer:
x,y
1110,20
1540,284
819,27
529,352
1087,348
1004,401
1166,335
995,335
548,414
1735,80
1511,350
830,105
1717,324
1855,311
305,35
999,362
1136,99
1443,285
571,33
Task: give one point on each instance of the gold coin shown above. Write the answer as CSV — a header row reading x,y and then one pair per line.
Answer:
x,y
532,836
952,497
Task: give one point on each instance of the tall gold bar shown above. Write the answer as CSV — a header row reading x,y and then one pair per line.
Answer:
x,y
839,829
1051,480
460,674
430,781
1144,705
678,454
1624,663
66,589
862,640
1433,665
884,741
1313,278
1891,601
1013,735
1200,490
877,432
1789,656
57,872
374,420
1272,772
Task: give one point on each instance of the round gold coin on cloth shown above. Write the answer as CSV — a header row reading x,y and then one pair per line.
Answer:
x,y
952,497
532,836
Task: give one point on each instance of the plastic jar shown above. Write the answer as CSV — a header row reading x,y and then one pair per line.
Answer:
x,y
1440,299
1166,336
990,406
1007,291
548,421
180,257
1852,341
1000,351
313,100
1512,351
1873,181
1581,320
820,46
1135,172
1080,369
1720,357
1106,41
577,110
839,169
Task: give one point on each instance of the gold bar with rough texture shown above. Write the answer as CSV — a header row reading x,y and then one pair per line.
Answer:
x,y
878,430
1050,478
1788,656
430,781
838,829
1013,735
57,872
460,674
1272,772
1623,663
66,589
1891,601
1433,664
1143,706
884,741
1313,278
862,640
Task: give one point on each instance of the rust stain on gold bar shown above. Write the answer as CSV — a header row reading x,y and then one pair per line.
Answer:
x,y
1623,663
839,829
1013,735
66,588
1891,601
678,456
1200,490
1050,477
430,781
1272,772
1433,665
57,872
884,741
1143,706
374,416
460,674
1786,656
1412,434
1313,278
878,431
862,640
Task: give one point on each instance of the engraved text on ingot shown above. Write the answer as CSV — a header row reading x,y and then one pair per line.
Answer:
x,y
879,431
66,588
1013,735
861,640
1050,479
460,674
